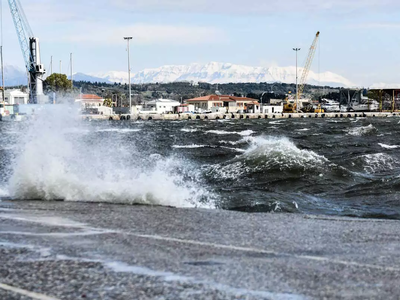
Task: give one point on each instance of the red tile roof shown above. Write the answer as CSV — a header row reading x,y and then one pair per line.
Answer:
x,y
225,98
90,97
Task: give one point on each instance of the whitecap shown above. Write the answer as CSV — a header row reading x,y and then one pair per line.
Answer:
x,y
189,129
360,131
378,162
120,130
223,132
193,146
388,146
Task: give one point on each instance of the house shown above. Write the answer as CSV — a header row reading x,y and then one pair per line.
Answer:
x,y
224,104
93,104
272,109
16,97
160,106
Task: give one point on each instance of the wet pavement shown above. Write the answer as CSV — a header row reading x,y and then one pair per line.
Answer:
x,y
67,250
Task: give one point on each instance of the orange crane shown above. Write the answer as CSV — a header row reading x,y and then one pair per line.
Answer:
x,y
307,67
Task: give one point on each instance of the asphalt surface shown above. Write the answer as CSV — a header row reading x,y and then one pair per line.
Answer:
x,y
59,250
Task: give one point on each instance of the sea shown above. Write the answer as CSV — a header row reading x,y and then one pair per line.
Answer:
x,y
337,167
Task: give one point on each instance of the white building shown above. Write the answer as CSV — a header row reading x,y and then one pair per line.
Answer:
x,y
271,109
160,106
16,97
93,104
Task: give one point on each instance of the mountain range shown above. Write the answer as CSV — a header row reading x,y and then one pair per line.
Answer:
x,y
213,72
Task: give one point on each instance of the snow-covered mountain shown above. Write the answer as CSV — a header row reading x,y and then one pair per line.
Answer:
x,y
215,72
212,73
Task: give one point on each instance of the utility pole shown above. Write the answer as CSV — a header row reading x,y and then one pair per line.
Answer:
x,y
297,87
128,39
60,67
51,65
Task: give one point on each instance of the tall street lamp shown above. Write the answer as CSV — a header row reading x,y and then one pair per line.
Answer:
x,y
297,93
128,39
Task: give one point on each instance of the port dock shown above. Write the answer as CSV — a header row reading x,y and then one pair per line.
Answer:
x,y
237,116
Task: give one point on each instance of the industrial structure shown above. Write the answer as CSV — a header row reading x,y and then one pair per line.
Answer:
x,y
291,107
307,67
31,52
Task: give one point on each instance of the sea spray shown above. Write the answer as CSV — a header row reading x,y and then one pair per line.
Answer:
x,y
60,160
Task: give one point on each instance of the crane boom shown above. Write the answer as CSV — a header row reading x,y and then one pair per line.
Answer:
x,y
30,51
307,67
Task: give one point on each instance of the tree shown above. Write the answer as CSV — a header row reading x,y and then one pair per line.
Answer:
x,y
57,83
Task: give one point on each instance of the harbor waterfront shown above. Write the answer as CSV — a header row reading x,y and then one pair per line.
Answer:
x,y
219,116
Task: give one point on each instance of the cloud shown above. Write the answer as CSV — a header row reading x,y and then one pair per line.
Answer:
x,y
254,6
149,34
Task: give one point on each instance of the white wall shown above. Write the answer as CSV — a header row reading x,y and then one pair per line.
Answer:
x,y
272,109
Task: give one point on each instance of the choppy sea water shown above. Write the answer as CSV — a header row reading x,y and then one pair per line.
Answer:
x,y
347,167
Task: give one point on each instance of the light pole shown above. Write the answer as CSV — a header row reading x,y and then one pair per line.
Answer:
x,y
297,94
129,75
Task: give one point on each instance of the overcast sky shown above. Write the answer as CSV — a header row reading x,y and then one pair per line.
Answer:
x,y
360,39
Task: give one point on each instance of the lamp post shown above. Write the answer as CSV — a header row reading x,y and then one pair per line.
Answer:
x,y
297,93
128,39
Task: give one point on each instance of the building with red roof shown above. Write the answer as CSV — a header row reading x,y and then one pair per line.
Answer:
x,y
224,104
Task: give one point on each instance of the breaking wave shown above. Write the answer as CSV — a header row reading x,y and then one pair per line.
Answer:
x,y
377,162
223,132
189,130
360,131
389,146
54,164
267,154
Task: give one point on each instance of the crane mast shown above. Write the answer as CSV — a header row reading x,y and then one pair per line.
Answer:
x,y
307,67
30,50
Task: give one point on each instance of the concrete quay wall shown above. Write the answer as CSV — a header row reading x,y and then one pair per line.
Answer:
x,y
236,116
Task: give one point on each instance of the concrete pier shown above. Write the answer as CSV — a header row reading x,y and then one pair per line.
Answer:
x,y
236,116
59,250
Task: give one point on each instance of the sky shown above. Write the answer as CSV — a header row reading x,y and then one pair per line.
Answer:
x,y
360,39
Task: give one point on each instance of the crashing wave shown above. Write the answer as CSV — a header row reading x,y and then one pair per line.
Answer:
x,y
378,162
268,154
360,131
54,165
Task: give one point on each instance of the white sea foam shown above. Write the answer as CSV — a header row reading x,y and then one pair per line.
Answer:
x,y
303,129
267,153
360,131
223,132
3,192
378,162
389,146
55,165
189,129
193,146
120,130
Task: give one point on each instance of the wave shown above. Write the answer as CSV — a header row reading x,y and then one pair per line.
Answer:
x,y
189,130
121,130
193,146
270,154
223,132
3,192
389,146
360,131
373,163
55,165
